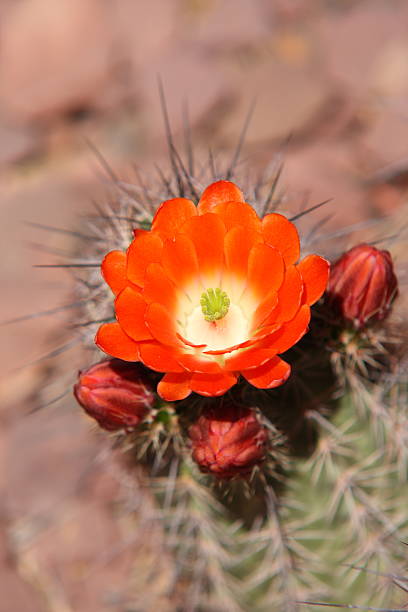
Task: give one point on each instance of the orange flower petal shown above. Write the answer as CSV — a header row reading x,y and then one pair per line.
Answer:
x,y
188,244
229,349
174,386
280,233
249,358
188,343
264,310
112,340
171,215
289,297
159,288
216,193
265,331
315,274
238,243
212,385
198,363
146,248
159,358
238,214
179,260
290,333
161,324
266,270
207,233
114,270
272,374
130,309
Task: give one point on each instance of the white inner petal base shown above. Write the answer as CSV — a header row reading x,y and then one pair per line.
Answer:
x,y
228,331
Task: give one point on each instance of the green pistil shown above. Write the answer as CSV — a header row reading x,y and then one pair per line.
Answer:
x,y
214,304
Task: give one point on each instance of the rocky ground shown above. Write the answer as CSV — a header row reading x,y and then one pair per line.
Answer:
x,y
332,74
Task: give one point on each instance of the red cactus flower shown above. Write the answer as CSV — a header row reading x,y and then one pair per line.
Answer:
x,y
362,285
211,292
228,441
114,393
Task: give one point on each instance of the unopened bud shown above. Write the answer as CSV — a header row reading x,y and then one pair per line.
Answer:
x,y
362,285
228,440
115,393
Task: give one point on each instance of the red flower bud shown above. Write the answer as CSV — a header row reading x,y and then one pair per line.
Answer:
x,y
115,393
362,285
228,441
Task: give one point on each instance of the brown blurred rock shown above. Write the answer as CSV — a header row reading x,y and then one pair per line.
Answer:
x,y
56,57
68,533
16,594
223,23
58,201
189,76
322,171
387,139
386,198
390,71
18,143
353,40
280,109
145,29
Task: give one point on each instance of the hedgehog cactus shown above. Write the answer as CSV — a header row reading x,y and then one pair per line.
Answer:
x,y
268,420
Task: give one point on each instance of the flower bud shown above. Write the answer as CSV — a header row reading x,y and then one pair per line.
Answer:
x,y
228,441
362,285
115,393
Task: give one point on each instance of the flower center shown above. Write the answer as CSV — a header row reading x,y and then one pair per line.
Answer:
x,y
214,304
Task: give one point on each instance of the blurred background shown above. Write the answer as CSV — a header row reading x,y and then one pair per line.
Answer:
x,y
332,74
